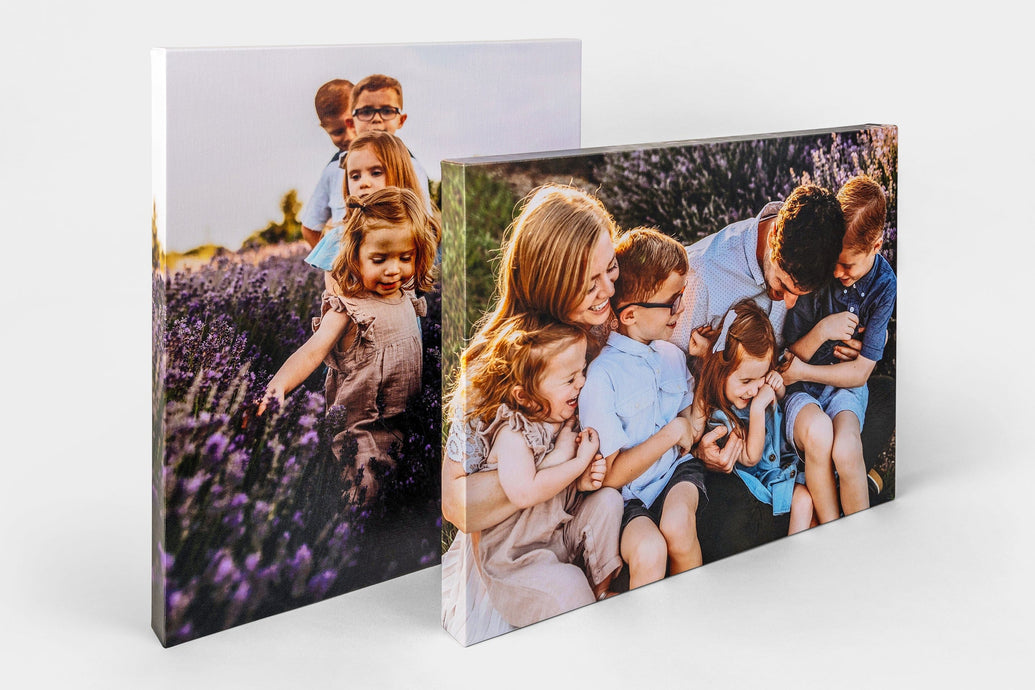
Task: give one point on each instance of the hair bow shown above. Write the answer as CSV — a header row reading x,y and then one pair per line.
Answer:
x,y
727,321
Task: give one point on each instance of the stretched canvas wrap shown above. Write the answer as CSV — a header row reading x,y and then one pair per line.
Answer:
x,y
657,356
260,507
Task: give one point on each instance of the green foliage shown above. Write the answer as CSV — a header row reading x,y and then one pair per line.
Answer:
x,y
287,230
478,210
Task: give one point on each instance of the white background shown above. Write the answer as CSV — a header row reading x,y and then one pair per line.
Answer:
x,y
934,589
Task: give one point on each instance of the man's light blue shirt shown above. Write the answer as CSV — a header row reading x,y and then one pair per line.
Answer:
x,y
724,269
632,390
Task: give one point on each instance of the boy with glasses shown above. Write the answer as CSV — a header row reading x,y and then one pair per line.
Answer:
x,y
638,397
377,104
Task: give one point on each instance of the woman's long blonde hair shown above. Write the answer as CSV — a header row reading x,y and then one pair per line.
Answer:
x,y
546,257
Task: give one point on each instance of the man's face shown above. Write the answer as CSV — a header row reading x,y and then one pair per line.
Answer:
x,y
381,98
779,284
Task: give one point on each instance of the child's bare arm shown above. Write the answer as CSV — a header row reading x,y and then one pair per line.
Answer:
x,y
754,444
626,465
305,359
698,421
563,447
522,482
851,374
839,326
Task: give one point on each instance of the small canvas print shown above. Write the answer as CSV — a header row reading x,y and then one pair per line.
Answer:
x,y
658,356
296,307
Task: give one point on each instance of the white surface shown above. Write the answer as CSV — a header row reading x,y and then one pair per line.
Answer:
x,y
932,590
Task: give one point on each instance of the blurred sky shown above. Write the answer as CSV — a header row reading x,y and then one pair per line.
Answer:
x,y
241,130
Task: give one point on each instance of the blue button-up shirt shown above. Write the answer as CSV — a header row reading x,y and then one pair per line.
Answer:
x,y
632,390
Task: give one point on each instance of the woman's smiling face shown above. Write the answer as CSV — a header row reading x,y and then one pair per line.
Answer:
x,y
603,271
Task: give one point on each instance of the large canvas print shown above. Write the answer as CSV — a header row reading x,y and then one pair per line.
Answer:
x,y
296,344
658,356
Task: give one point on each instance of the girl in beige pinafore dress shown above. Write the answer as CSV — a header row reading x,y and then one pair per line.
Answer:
x,y
559,551
373,370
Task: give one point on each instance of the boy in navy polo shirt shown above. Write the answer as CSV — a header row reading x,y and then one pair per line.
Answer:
x,y
825,410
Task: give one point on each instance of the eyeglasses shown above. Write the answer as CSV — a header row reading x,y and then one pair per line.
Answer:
x,y
387,112
672,306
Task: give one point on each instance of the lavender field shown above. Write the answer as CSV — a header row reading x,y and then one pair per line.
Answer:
x,y
250,516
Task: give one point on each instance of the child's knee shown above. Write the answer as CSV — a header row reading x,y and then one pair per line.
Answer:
x,y
679,519
813,431
847,454
647,554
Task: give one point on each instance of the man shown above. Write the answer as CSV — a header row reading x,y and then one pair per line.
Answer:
x,y
786,251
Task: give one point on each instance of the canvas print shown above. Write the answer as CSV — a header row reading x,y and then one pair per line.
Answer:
x,y
296,343
658,356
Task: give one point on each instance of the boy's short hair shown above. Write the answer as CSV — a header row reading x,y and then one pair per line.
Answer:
x,y
333,99
806,240
646,258
376,82
865,209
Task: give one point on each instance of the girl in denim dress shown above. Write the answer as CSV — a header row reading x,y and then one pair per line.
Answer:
x,y
739,388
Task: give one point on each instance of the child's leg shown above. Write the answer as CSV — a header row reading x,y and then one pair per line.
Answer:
x,y
847,454
591,536
814,434
801,510
643,548
679,527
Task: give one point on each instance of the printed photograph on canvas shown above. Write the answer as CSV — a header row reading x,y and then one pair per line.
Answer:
x,y
673,353
296,229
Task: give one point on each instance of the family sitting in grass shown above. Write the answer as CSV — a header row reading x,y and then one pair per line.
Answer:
x,y
633,408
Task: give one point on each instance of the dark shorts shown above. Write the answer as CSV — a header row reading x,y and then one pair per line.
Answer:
x,y
690,470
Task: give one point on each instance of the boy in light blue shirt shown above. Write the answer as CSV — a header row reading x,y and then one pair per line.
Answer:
x,y
638,397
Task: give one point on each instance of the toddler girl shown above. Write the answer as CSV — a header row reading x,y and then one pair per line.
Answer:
x,y
375,160
368,334
739,388
521,404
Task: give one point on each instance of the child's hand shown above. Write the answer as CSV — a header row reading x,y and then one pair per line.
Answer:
x,y
592,478
848,350
271,394
588,445
840,326
775,380
686,434
563,446
763,399
701,339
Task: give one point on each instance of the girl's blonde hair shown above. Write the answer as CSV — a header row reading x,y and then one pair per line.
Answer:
x,y
750,335
394,157
387,207
517,354
546,256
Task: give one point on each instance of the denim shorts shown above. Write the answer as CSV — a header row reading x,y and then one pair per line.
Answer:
x,y
831,399
690,470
